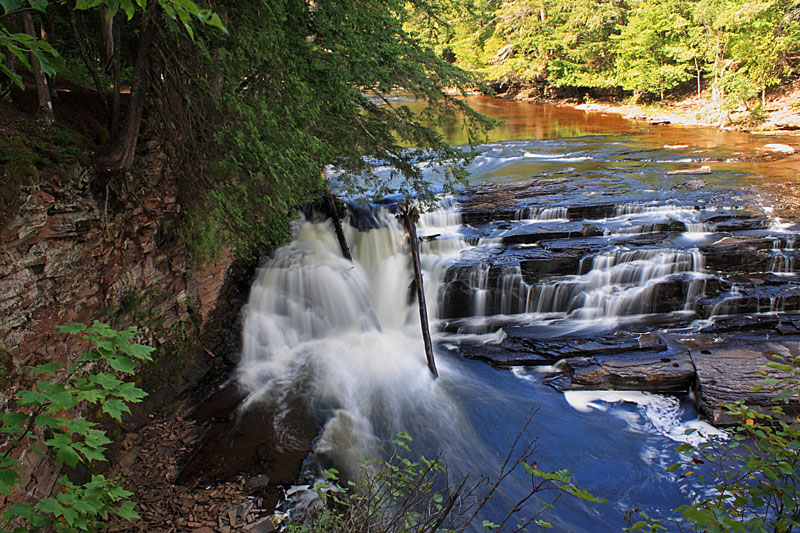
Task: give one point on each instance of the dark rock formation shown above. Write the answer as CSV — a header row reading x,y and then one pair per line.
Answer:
x,y
727,371
656,372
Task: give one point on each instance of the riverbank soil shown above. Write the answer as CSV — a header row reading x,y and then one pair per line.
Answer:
x,y
781,114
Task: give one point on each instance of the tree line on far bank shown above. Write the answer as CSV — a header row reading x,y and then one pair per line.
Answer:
x,y
737,48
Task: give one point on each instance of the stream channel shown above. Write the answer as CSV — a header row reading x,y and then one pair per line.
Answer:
x,y
573,241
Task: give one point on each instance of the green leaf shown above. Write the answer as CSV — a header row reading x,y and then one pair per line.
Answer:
x,y
9,478
107,381
48,369
39,5
127,511
114,408
10,5
50,505
65,453
122,364
13,423
33,398
781,367
72,328
140,351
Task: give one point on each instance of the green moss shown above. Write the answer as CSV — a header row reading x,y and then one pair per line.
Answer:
x,y
15,177
29,152
6,366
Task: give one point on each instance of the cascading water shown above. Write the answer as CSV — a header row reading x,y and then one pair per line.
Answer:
x,y
596,253
344,337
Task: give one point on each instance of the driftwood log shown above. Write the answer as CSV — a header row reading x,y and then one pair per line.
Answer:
x,y
409,218
337,224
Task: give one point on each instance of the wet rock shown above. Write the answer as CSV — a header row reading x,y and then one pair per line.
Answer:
x,y
503,202
549,264
740,224
256,484
728,370
265,525
692,185
510,352
753,322
531,235
589,230
517,348
230,447
739,254
591,212
655,372
753,293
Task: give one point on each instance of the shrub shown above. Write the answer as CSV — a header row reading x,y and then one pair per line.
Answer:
x,y
400,495
46,410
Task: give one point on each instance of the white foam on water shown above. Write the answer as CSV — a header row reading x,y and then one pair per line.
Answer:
x,y
656,413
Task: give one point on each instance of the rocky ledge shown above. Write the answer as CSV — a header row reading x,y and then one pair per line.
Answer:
x,y
720,365
711,324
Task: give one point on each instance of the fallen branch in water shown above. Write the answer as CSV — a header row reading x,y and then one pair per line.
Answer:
x,y
409,217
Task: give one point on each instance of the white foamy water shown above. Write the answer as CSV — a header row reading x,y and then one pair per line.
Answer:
x,y
656,414
344,337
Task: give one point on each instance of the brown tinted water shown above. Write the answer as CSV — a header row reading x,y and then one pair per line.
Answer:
x,y
729,150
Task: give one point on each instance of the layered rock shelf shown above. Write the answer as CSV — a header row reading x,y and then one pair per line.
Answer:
x,y
697,292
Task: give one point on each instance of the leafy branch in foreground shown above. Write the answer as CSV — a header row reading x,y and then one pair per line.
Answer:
x,y
757,482
401,494
44,411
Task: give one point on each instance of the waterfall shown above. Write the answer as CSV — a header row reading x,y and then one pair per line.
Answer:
x,y
542,213
344,338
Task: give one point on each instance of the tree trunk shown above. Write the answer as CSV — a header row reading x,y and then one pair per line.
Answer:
x,y
121,157
107,32
115,111
699,76
411,228
337,223
45,112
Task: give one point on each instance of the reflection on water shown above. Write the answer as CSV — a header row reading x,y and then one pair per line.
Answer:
x,y
528,121
690,144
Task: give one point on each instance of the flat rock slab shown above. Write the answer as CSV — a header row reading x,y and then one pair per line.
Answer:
x,y
660,372
728,370
519,349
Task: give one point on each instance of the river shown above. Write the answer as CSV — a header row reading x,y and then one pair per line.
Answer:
x,y
589,254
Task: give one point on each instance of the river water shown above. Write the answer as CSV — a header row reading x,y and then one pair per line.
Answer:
x,y
614,229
